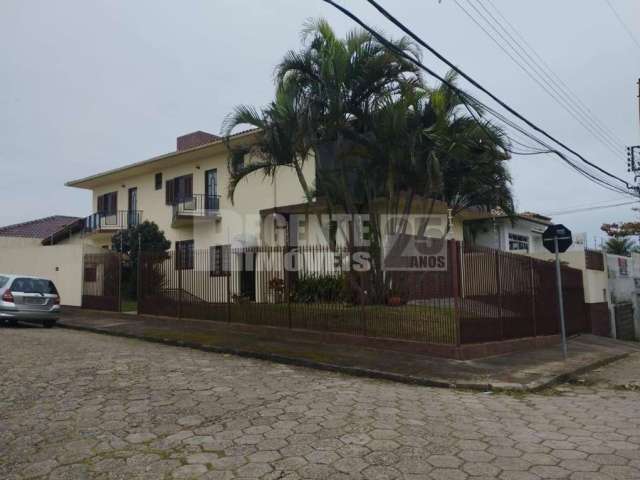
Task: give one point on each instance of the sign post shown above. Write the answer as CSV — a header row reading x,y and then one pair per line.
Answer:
x,y
557,239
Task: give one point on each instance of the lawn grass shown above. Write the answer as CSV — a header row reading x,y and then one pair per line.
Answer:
x,y
424,323
129,305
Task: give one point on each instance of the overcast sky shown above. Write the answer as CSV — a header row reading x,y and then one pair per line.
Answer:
x,y
89,85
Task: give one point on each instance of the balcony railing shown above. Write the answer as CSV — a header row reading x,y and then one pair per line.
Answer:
x,y
112,221
197,205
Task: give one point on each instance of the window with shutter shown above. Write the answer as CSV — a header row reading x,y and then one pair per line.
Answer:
x,y
170,192
184,255
108,203
220,260
188,186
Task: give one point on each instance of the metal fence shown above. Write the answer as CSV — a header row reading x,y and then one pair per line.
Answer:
x,y
483,295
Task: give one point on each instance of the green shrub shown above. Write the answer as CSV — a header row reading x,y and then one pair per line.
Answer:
x,y
316,288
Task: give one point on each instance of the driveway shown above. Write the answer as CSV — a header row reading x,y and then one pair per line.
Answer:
x,y
80,405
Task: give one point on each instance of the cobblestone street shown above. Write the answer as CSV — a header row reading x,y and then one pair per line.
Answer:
x,y
77,405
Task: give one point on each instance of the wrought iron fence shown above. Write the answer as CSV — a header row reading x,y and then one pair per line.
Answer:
x,y
112,221
483,295
196,205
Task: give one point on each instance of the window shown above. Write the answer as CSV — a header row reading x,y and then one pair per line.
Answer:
x,y
518,243
220,256
237,161
90,273
179,189
158,181
108,203
623,267
3,281
184,255
34,285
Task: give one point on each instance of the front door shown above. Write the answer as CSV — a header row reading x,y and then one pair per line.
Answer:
x,y
132,217
211,190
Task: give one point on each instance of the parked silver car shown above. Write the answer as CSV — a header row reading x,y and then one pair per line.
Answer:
x,y
28,299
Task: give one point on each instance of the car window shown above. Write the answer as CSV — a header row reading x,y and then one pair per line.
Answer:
x,y
33,285
3,281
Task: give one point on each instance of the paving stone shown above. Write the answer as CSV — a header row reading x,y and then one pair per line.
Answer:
x,y
112,408
189,471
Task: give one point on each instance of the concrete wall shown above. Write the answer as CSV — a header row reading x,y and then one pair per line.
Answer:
x,y
19,242
62,264
596,283
624,284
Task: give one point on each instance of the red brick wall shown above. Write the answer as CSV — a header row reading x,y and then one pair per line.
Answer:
x,y
195,139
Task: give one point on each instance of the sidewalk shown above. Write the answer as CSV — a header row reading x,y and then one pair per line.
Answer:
x,y
521,371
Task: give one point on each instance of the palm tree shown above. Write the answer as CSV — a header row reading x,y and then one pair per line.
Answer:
x,y
381,138
619,246
283,140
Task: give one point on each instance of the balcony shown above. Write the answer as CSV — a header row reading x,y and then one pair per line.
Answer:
x,y
196,207
111,222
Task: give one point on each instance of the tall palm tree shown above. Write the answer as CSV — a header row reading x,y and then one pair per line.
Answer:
x,y
379,135
284,141
619,246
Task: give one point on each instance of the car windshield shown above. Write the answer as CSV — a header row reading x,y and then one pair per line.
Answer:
x,y
34,285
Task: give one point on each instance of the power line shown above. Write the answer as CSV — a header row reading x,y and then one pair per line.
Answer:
x,y
469,79
530,67
546,74
589,208
554,75
622,22
468,100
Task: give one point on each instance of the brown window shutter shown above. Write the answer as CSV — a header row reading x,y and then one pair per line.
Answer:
x,y
188,186
226,259
115,202
170,192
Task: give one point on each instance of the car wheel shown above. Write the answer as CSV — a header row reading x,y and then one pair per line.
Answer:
x,y
48,323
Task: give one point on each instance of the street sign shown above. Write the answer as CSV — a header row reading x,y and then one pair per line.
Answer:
x,y
558,233
557,239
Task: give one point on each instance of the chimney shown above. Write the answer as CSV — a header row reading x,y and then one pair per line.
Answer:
x,y
195,139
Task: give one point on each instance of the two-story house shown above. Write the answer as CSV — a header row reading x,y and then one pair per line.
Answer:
x,y
185,193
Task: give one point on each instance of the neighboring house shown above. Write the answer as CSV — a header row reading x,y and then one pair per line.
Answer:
x,y
48,247
519,234
43,231
624,285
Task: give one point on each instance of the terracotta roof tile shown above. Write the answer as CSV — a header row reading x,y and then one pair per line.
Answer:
x,y
40,228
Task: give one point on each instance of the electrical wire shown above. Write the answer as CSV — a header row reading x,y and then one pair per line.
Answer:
x,y
622,22
588,209
476,84
553,75
533,70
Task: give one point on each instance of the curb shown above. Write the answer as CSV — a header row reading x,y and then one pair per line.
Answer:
x,y
504,387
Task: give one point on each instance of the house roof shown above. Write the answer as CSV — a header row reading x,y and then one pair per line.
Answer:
x,y
157,161
42,228
530,216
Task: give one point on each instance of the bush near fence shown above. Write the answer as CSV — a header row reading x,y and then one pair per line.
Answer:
x,y
484,295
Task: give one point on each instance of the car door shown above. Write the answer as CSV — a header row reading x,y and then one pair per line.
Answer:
x,y
33,294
